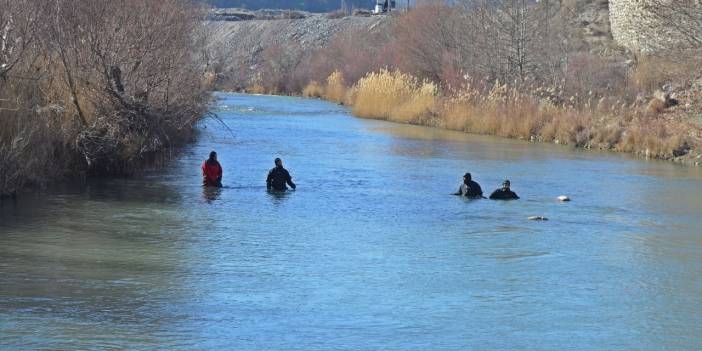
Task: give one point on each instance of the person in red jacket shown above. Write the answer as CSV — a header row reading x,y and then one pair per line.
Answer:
x,y
212,171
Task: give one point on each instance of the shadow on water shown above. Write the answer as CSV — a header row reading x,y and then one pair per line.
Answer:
x,y
100,253
211,193
279,197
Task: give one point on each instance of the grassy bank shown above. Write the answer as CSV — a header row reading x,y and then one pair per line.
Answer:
x,y
529,113
103,88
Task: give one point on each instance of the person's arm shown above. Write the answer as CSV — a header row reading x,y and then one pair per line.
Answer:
x,y
219,172
479,190
269,180
460,191
288,179
204,169
494,195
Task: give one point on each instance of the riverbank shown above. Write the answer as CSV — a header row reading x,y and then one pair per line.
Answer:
x,y
567,82
508,112
88,95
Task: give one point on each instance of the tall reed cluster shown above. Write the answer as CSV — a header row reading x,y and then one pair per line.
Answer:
x,y
528,112
334,89
394,96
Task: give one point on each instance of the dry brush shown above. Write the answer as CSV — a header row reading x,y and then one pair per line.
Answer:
x,y
98,87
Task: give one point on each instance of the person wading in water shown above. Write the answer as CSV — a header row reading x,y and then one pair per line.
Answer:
x,y
212,171
469,188
504,193
278,177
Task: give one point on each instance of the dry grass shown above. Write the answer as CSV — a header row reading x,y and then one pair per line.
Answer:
x,y
652,73
527,113
394,96
657,105
335,89
313,90
505,111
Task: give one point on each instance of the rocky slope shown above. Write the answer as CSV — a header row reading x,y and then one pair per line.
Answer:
x,y
237,48
239,38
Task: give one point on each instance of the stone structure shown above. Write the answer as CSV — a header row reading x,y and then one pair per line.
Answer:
x,y
650,26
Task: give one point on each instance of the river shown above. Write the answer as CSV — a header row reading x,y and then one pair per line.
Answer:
x,y
371,252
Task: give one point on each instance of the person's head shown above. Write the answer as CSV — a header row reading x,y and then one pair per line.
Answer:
x,y
506,184
467,178
278,162
213,156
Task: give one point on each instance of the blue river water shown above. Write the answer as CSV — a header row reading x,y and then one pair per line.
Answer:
x,y
370,253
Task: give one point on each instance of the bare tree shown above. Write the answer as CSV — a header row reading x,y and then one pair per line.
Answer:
x,y
95,85
428,40
509,39
673,27
19,25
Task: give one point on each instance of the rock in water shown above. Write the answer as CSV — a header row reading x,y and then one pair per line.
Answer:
x,y
563,198
538,218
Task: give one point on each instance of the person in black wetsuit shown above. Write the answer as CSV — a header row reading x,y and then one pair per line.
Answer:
x,y
504,193
469,188
278,177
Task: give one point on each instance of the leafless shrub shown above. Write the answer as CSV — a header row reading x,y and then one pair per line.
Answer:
x,y
278,63
428,40
352,53
95,86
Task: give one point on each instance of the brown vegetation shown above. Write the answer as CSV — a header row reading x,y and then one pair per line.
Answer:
x,y
527,113
95,86
536,70
509,68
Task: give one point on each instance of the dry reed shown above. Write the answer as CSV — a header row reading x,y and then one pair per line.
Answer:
x,y
313,90
394,96
527,113
335,90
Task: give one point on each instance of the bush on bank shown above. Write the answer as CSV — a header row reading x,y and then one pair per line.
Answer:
x,y
101,88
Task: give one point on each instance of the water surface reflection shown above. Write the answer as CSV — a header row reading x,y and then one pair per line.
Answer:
x,y
369,253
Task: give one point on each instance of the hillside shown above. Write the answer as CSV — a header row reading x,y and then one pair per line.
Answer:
x,y
240,39
242,50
